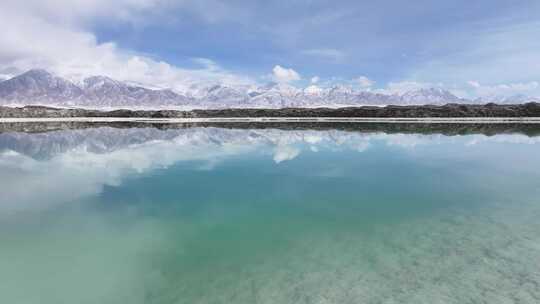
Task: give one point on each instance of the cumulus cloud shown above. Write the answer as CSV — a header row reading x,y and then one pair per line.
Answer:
x,y
283,153
364,82
315,79
281,74
53,35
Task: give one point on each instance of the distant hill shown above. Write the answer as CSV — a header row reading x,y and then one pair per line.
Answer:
x,y
39,87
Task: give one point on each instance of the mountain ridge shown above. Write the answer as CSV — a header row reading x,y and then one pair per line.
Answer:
x,y
40,87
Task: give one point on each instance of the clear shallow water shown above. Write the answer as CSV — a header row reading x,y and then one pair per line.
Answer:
x,y
210,215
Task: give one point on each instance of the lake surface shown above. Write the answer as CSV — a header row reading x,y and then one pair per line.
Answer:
x,y
217,214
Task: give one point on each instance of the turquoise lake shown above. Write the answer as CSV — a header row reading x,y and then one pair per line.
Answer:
x,y
210,214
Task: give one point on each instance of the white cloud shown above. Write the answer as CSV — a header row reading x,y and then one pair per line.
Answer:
x,y
315,79
51,34
364,82
281,74
284,153
313,90
328,54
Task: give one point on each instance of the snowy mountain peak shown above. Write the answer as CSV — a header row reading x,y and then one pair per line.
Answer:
x,y
100,81
36,73
41,87
512,99
341,89
39,77
38,86
283,88
429,96
313,90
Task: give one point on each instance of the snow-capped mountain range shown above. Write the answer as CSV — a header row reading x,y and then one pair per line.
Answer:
x,y
39,87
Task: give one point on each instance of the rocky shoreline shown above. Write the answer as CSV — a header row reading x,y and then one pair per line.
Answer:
x,y
426,111
453,129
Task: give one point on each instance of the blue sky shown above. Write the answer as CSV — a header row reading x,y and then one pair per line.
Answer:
x,y
471,47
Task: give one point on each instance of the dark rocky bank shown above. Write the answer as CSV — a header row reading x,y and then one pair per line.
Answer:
x,y
448,129
450,110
